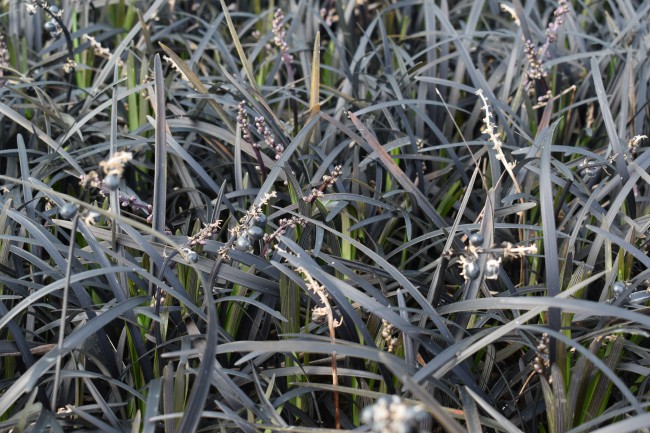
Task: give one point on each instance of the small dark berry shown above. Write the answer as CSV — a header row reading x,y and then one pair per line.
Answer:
x,y
589,172
618,288
255,233
50,26
193,257
476,239
67,211
259,220
54,9
112,182
472,270
243,243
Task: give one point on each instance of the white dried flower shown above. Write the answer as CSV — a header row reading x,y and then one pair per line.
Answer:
x,y
510,10
490,130
492,268
69,66
176,68
634,142
115,164
391,415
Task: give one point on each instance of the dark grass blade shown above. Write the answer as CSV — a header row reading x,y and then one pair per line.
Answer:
x,y
118,50
64,309
160,151
197,397
176,149
50,288
9,112
153,404
240,51
638,254
614,139
458,352
503,422
546,202
277,170
97,423
48,242
26,382
638,423
338,288
470,410
102,403
399,175
441,416
603,387
121,294
198,85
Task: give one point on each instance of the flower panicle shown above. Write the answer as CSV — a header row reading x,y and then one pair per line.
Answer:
x,y
328,182
176,68
269,139
279,36
4,55
244,124
558,20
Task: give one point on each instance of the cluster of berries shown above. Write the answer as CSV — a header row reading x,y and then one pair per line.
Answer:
x,y
468,259
52,26
253,233
470,267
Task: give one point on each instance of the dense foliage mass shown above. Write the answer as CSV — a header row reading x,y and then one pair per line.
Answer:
x,y
394,216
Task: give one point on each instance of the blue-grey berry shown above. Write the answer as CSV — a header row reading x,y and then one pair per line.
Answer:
x,y
476,239
259,220
67,211
112,182
589,172
54,9
471,270
255,233
243,243
192,257
618,288
50,26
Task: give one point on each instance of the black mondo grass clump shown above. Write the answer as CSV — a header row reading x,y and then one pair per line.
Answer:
x,y
412,216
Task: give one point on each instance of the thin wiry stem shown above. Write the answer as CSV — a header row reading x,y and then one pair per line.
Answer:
x,y
64,310
331,324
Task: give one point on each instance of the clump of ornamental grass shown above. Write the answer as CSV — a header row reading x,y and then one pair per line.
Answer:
x,y
393,218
